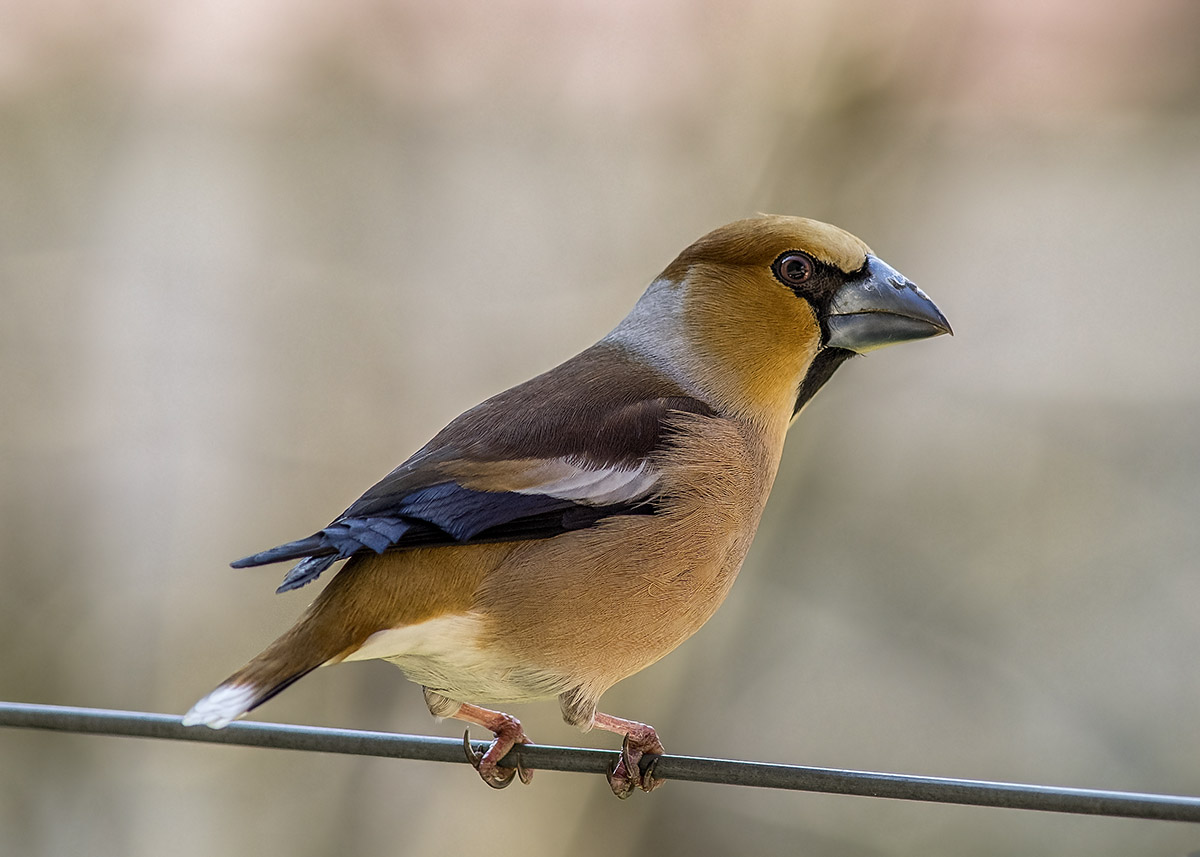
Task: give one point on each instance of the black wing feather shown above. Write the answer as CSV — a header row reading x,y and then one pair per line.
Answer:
x,y
442,514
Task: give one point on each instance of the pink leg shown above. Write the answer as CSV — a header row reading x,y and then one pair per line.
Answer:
x,y
508,732
640,740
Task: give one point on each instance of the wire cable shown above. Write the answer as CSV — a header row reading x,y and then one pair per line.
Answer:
x,y
99,721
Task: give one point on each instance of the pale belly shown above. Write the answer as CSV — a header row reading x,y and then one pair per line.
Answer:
x,y
446,655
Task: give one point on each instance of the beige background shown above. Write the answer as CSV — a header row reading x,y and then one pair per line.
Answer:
x,y
253,253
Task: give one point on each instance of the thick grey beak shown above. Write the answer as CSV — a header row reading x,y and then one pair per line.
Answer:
x,y
879,307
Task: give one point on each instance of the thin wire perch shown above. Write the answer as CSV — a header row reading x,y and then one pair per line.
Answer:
x,y
137,724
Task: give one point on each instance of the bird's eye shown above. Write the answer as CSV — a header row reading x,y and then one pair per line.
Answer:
x,y
793,268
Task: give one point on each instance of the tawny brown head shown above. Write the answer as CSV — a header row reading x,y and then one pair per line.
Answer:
x,y
758,240
762,311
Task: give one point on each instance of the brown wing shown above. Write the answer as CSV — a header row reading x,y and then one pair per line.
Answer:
x,y
560,452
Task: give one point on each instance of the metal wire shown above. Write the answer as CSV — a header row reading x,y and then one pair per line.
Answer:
x,y
138,724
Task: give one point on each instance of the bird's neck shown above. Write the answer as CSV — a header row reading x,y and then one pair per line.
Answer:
x,y
703,346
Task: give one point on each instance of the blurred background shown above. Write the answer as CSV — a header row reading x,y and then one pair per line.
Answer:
x,y
253,253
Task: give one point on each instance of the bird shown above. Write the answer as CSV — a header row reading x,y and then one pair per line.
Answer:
x,y
574,529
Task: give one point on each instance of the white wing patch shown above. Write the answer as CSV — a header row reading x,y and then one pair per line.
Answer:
x,y
569,480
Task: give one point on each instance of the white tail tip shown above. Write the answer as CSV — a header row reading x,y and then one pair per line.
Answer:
x,y
221,707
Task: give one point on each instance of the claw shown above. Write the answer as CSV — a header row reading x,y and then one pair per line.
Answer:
x,y
472,756
622,776
501,779
524,773
649,783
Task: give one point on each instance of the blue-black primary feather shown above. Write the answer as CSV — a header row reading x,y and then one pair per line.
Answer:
x,y
442,514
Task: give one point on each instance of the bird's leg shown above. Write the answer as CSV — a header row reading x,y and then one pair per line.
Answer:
x,y
640,740
506,729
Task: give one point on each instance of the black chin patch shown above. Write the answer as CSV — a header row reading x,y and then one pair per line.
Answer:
x,y
823,366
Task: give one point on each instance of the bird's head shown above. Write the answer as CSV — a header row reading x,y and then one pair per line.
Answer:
x,y
758,314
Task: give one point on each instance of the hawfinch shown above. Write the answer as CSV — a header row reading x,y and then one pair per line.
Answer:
x,y
571,531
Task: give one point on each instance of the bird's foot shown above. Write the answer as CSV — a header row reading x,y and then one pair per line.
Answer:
x,y
629,772
509,733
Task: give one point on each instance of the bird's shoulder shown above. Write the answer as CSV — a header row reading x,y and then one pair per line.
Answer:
x,y
603,410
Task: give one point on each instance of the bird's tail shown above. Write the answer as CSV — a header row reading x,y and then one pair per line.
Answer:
x,y
297,653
